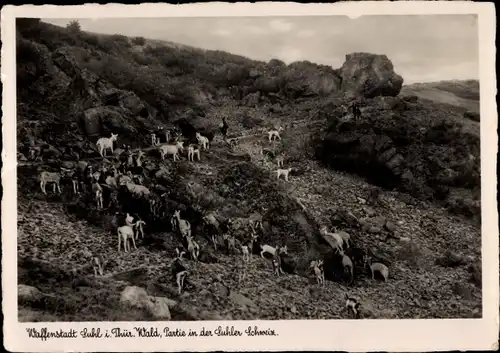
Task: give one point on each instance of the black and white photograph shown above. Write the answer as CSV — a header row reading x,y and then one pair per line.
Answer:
x,y
262,168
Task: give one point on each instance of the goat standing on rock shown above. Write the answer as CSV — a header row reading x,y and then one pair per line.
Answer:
x,y
174,150
318,271
193,247
275,134
184,225
48,177
106,143
284,172
203,141
193,150
125,233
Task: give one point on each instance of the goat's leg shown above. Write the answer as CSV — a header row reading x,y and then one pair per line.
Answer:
x,y
54,188
119,241
42,186
179,288
58,187
133,242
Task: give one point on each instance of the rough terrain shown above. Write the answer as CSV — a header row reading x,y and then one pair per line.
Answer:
x,y
423,156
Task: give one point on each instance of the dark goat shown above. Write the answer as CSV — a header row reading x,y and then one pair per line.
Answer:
x,y
187,129
224,128
287,263
334,270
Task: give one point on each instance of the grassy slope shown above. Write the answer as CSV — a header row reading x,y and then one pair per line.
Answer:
x,y
55,262
459,96
464,94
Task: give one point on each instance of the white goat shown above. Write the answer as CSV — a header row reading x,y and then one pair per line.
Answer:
x,y
105,143
318,271
138,161
165,150
246,253
203,141
184,225
97,190
193,247
273,251
125,233
346,238
275,134
193,150
154,140
98,264
180,277
139,228
377,267
284,172
280,160
49,177
339,242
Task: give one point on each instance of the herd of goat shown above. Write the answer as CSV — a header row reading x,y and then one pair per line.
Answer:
x,y
128,173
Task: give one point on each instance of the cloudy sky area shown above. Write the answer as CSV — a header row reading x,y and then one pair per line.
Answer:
x,y
423,48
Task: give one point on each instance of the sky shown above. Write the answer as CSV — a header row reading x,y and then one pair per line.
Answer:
x,y
423,48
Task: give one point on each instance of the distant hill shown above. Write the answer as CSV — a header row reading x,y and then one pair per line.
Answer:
x,y
457,93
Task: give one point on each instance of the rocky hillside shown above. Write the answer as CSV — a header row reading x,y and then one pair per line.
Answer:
x,y
403,180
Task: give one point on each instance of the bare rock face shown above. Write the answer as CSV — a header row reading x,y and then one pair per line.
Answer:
x,y
305,79
369,75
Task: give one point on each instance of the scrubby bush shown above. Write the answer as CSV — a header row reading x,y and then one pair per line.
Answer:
x,y
121,40
74,27
139,41
250,122
90,39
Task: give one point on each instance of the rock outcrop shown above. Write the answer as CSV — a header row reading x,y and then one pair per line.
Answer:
x,y
369,75
392,148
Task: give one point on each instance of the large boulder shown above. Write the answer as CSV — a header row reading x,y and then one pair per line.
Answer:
x,y
305,79
369,75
